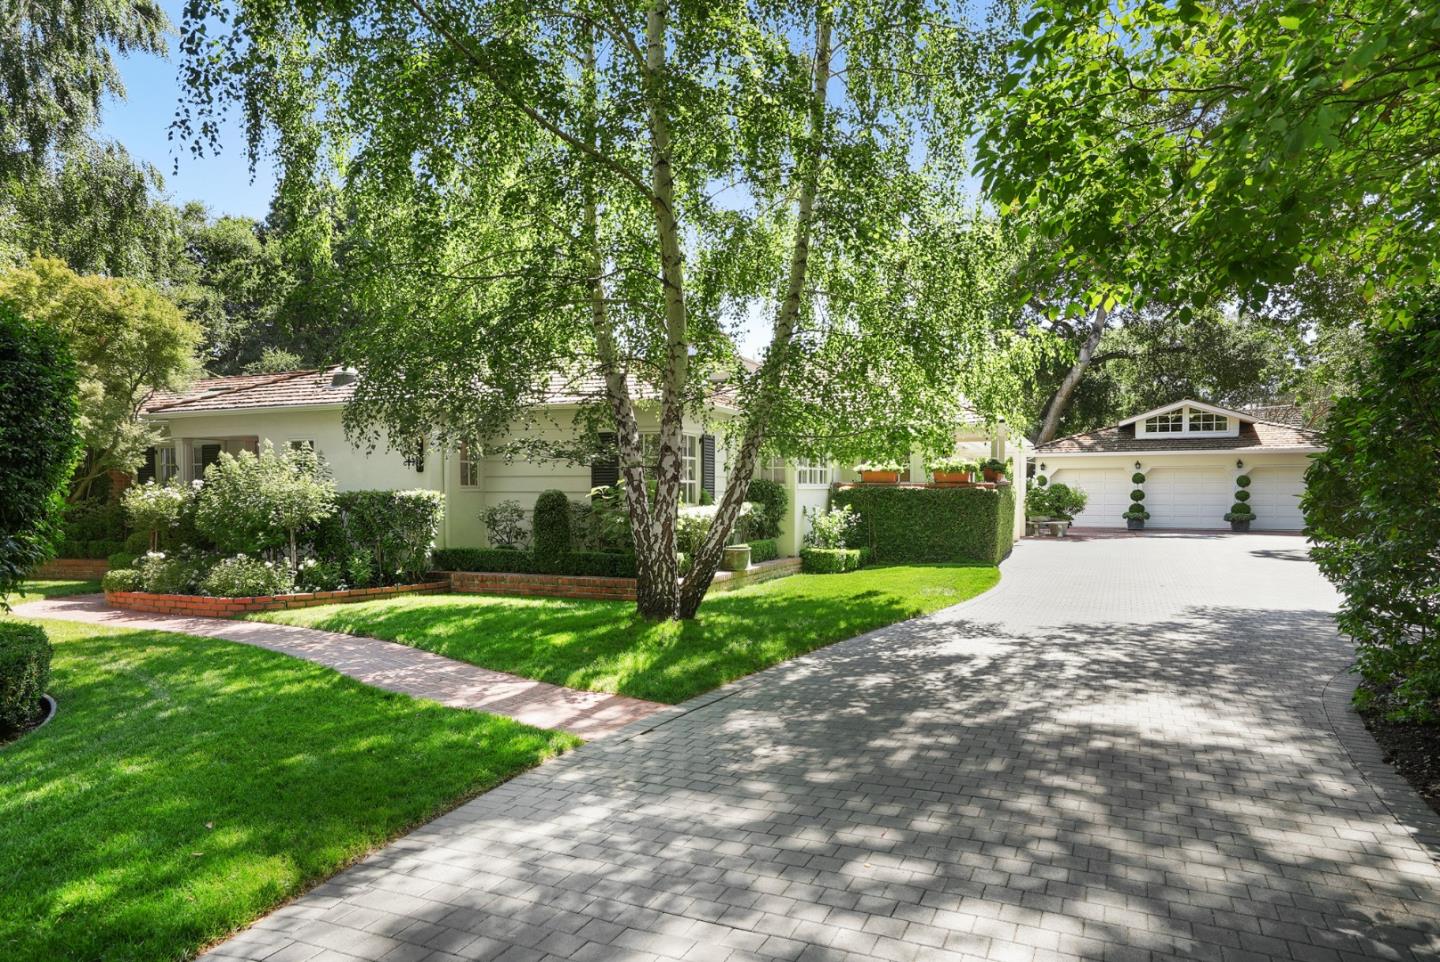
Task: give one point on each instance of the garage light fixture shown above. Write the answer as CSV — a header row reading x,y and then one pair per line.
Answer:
x,y
1137,465
1239,464
1042,465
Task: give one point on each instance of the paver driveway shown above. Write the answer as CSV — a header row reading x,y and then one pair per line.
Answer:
x,y
1123,752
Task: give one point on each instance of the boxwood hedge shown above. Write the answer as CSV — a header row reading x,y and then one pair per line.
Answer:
x,y
603,564
831,561
24,672
903,525
763,549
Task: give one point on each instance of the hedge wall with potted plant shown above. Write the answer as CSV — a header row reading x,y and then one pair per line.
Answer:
x,y
908,525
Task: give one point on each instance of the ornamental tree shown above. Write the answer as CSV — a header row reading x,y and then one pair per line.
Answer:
x,y
253,503
127,340
592,200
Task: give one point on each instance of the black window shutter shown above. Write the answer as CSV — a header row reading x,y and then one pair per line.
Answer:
x,y
605,468
147,470
707,464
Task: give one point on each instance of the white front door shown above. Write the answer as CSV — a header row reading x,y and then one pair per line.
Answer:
x,y
1275,496
1189,497
1108,490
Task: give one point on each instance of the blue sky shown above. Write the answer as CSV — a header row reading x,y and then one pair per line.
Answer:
x,y
141,123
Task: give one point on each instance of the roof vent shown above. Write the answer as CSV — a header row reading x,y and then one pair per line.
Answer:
x,y
344,376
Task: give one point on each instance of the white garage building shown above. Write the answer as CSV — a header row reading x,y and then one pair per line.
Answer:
x,y
1191,454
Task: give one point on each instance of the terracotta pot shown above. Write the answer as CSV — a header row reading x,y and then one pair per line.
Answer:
x,y
952,477
880,477
991,475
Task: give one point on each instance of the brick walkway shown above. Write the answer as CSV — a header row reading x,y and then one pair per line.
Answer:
x,y
385,665
1123,752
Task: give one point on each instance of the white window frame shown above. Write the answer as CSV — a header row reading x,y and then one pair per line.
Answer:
x,y
469,463
811,473
295,444
1192,415
689,462
772,469
1174,423
167,463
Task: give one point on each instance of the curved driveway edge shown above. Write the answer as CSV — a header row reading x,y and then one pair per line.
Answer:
x,y
383,664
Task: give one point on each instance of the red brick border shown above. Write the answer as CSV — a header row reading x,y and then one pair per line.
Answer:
x,y
586,587
88,569
206,607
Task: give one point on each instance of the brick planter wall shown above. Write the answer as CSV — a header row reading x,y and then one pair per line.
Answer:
x,y
84,569
206,607
599,589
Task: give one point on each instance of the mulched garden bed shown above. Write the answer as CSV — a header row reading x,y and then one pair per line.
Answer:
x,y
1413,748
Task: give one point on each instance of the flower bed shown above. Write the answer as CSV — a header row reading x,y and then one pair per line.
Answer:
x,y
205,606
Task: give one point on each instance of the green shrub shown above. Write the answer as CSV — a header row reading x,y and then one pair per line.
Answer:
x,y
156,509
1041,481
1056,501
255,503
1242,495
1137,478
245,577
178,573
1243,481
123,579
318,575
774,502
830,561
394,530
94,519
1137,495
38,442
910,525
602,564
24,672
120,559
505,524
1240,511
1137,512
551,527
763,549
833,528
693,523
599,564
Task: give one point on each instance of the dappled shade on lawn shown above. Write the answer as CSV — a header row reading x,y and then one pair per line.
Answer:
x,y
603,646
189,785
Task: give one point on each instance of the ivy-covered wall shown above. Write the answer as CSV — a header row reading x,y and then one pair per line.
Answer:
x,y
902,524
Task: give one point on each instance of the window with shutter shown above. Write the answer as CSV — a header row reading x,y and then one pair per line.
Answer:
x,y
605,467
707,464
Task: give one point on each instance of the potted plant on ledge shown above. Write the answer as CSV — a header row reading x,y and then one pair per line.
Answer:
x,y
1241,514
952,471
994,469
879,472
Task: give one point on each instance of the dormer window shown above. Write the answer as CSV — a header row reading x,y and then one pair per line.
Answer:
x,y
1205,421
1172,423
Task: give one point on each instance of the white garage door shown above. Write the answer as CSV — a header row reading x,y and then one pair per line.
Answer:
x,y
1275,494
1108,490
1189,497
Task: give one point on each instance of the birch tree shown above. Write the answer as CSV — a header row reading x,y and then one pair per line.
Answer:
x,y
593,200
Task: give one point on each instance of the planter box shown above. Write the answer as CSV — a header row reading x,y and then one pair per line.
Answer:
x,y
1135,524
953,477
1240,526
880,477
204,606
993,477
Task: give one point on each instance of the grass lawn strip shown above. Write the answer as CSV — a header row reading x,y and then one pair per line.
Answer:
x,y
602,646
189,785
53,588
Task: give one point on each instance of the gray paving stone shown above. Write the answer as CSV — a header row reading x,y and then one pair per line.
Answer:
x,y
1130,749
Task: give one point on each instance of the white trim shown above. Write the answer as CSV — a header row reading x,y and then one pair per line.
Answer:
x,y
1187,402
1042,455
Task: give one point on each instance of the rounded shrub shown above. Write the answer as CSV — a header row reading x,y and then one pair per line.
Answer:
x,y
38,442
775,501
120,559
24,672
244,577
1242,495
1137,478
1137,495
551,530
1041,480
123,579
1243,481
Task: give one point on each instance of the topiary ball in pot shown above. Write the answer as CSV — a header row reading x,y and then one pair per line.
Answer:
x,y
1137,495
1137,478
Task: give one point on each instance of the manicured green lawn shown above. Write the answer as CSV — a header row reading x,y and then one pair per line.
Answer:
x,y
188,785
602,646
35,590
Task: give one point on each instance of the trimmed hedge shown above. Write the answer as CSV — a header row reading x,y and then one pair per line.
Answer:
x,y
776,501
551,530
831,561
603,564
24,672
100,548
393,529
122,579
922,525
763,549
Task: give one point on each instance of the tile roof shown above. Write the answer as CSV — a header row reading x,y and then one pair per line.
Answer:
x,y
1256,435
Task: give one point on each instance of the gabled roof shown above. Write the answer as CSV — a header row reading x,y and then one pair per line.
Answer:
x,y
1256,434
1240,416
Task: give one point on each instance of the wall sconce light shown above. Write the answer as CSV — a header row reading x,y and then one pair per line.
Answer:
x,y
1137,465
1239,464
1042,465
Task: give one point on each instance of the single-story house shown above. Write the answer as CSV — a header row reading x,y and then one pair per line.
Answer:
x,y
1191,454
233,414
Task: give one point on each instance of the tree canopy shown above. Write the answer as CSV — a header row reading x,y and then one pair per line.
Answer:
x,y
1198,151
595,199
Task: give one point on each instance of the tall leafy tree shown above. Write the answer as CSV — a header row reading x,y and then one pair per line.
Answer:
x,y
1202,150
57,65
127,340
590,199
